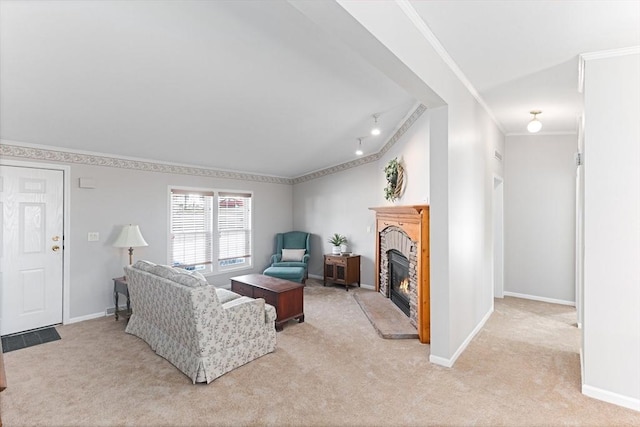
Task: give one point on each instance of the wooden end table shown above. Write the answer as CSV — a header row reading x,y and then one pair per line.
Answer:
x,y
286,296
120,286
342,269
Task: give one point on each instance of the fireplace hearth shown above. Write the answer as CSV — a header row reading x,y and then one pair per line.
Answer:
x,y
399,280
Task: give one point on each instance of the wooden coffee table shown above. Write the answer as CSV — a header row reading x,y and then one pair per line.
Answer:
x,y
284,295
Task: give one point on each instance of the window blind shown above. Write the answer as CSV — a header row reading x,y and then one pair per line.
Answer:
x,y
191,227
234,226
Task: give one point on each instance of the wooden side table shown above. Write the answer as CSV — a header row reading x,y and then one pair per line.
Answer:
x,y
120,287
342,269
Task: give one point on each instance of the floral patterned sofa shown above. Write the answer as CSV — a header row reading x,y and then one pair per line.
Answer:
x,y
203,330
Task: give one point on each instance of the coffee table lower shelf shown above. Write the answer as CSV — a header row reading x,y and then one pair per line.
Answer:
x,y
287,297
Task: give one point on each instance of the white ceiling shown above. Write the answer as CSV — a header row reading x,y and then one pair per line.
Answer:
x,y
245,86
258,87
523,55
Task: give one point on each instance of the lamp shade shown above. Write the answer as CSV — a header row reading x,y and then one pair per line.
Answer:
x,y
130,237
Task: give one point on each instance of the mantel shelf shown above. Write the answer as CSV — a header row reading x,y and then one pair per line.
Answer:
x,y
401,210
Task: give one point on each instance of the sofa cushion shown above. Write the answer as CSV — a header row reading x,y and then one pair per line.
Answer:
x,y
225,295
187,279
198,275
144,265
163,271
292,254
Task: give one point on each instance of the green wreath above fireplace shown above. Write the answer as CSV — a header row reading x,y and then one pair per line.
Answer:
x,y
395,177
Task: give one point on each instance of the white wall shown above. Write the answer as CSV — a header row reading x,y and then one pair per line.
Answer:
x,y
540,216
611,331
124,196
412,150
462,151
340,202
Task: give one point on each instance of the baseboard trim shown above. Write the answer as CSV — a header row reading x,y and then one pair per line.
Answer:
x,y
87,317
437,360
448,363
610,397
362,285
537,298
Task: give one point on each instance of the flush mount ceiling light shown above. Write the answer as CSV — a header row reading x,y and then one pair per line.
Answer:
x,y
359,151
534,125
376,130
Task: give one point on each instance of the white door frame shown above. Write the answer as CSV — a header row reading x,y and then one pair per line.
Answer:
x,y
66,253
497,248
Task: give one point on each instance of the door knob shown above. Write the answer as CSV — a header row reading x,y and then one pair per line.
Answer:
x,y
55,238
55,248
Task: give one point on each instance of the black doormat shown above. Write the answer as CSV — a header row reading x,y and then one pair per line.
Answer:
x,y
28,339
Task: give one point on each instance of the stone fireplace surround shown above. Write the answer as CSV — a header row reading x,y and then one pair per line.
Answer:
x,y
406,229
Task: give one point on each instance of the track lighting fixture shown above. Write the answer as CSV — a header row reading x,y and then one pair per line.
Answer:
x,y
376,130
534,125
359,151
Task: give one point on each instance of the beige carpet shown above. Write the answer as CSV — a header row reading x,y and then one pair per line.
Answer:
x,y
331,370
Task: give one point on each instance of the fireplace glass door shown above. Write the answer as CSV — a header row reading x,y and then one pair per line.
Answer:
x,y
399,280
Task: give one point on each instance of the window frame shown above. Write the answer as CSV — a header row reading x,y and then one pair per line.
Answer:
x,y
215,268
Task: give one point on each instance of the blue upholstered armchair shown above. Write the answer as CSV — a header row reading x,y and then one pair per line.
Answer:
x,y
292,250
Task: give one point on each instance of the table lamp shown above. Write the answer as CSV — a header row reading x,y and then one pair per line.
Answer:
x,y
130,237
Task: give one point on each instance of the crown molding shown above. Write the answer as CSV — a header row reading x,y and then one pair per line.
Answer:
x,y
431,38
611,53
419,110
631,50
559,133
84,158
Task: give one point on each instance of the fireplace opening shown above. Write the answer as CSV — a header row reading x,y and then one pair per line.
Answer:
x,y
398,280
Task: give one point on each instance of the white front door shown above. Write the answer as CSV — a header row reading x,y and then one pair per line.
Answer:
x,y
31,223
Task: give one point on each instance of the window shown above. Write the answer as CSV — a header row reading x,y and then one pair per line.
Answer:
x,y
234,229
207,239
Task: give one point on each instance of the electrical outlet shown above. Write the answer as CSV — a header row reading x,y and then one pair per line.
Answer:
x,y
93,236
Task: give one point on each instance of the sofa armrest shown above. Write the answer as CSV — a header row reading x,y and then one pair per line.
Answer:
x,y
246,315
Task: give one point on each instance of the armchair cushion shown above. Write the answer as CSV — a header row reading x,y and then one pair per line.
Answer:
x,y
292,254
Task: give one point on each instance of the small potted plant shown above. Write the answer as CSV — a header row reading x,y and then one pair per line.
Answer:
x,y
337,240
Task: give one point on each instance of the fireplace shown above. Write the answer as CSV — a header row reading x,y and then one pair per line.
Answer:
x,y
398,280
404,231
